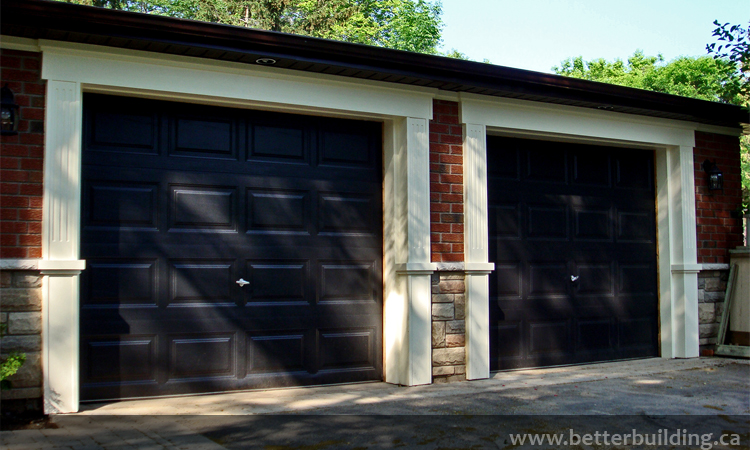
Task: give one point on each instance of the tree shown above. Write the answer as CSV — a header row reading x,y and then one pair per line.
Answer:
x,y
411,25
734,46
703,77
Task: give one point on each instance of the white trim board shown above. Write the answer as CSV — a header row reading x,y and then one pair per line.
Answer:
x,y
72,69
673,143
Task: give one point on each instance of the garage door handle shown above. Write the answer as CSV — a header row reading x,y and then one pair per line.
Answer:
x,y
572,278
242,282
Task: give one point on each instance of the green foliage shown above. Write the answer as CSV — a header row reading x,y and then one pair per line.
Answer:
x,y
703,77
453,53
734,46
411,25
10,365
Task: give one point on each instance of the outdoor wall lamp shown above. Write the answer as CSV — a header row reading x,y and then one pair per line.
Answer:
x,y
8,112
715,177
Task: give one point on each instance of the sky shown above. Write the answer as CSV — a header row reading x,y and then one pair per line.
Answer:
x,y
539,34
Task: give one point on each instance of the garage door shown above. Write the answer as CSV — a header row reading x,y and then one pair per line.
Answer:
x,y
572,235
227,249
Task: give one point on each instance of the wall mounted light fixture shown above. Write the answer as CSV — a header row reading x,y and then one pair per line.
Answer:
x,y
715,177
8,112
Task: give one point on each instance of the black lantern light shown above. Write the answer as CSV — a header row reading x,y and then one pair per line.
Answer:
x,y
8,113
715,177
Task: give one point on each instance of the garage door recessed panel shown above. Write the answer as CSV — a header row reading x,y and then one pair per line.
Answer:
x,y
549,337
506,220
509,280
508,339
342,213
594,334
278,142
345,282
547,222
595,279
277,282
593,224
592,168
637,332
120,283
635,171
548,279
105,357
637,279
121,205
635,226
277,211
124,132
345,148
202,282
204,138
202,356
546,165
276,353
203,209
346,349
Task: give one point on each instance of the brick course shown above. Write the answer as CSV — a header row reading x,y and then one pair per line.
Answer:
x,y
21,158
446,183
718,227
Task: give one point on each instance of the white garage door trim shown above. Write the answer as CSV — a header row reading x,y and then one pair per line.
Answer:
x,y
71,69
673,142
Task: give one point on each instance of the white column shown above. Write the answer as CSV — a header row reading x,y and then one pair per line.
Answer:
x,y
678,267
408,296
60,246
476,265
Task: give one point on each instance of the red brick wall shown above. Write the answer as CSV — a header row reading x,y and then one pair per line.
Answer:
x,y
446,183
718,227
21,158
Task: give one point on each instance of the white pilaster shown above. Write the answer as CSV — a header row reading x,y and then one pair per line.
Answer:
x,y
678,276
60,246
408,296
476,266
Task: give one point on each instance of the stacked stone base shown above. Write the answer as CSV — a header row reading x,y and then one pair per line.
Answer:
x,y
712,285
21,311
448,327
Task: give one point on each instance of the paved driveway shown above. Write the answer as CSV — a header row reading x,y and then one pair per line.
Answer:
x,y
699,399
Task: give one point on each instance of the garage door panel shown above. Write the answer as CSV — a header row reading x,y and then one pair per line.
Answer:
x,y
203,137
594,335
275,282
276,352
105,357
203,209
546,163
124,131
280,143
193,283
592,224
291,204
635,226
278,211
634,170
202,355
111,283
585,257
120,204
591,168
346,349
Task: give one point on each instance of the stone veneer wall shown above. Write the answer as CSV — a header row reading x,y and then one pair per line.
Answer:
x,y
712,285
21,306
448,327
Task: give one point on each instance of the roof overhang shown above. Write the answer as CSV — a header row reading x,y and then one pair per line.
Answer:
x,y
40,19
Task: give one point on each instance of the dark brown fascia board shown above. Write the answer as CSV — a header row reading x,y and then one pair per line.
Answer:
x,y
39,17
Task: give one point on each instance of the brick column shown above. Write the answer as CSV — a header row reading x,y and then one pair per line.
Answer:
x,y
718,228
447,244
21,194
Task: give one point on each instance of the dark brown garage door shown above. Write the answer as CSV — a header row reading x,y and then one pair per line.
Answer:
x,y
572,235
227,249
